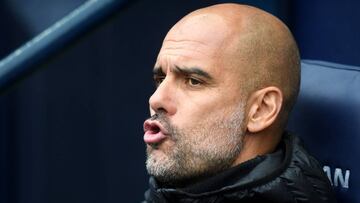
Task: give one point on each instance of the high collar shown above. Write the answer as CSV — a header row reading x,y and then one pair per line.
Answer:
x,y
247,174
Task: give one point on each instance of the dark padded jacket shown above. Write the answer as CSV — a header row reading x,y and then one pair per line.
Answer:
x,y
289,175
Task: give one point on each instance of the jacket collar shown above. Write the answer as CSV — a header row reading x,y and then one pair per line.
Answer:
x,y
251,173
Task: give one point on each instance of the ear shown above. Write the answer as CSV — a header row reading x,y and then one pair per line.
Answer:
x,y
264,107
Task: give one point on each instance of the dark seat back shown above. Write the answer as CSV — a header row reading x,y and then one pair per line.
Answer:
x,y
327,118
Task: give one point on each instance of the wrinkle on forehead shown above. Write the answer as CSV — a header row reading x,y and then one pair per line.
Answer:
x,y
184,41
200,39
208,30
187,49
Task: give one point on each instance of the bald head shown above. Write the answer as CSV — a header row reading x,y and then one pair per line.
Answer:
x,y
226,78
249,42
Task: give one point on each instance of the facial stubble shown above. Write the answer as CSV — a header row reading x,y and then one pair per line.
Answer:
x,y
206,149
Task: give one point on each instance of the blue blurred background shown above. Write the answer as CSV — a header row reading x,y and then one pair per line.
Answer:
x,y
72,131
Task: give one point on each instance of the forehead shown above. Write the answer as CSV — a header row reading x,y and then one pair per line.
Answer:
x,y
210,29
200,38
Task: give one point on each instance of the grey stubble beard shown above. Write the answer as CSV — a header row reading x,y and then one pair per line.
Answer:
x,y
199,152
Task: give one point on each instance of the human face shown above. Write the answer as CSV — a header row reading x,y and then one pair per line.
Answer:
x,y
197,109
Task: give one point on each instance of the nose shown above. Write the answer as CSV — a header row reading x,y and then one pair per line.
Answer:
x,y
163,99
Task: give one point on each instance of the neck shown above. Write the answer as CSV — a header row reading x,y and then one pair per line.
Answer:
x,y
256,145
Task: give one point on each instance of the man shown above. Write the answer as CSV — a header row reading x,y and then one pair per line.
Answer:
x,y
227,77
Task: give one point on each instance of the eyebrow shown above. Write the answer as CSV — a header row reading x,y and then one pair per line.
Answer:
x,y
185,71
193,71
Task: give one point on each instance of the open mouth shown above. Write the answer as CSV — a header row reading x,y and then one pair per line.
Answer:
x,y
154,132
151,128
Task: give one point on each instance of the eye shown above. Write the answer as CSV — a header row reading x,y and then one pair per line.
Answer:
x,y
158,80
194,82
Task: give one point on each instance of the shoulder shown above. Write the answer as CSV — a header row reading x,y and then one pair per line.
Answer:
x,y
301,179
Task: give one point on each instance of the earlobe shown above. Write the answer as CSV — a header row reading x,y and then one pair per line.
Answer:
x,y
265,105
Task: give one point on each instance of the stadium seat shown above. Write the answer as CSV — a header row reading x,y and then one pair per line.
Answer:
x,y
327,118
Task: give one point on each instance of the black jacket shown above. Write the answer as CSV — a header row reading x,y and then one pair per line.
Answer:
x,y
289,174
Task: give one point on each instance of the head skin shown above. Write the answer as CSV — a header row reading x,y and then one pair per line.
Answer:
x,y
228,76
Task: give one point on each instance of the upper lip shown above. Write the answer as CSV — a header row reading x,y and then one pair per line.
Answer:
x,y
148,124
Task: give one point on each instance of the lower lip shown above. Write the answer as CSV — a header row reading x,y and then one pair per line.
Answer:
x,y
153,138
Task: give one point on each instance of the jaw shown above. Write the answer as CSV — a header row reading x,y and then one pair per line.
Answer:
x,y
160,149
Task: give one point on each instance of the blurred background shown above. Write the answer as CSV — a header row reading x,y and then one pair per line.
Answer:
x,y
72,131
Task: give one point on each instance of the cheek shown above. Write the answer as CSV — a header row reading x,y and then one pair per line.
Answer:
x,y
194,107
189,115
202,118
